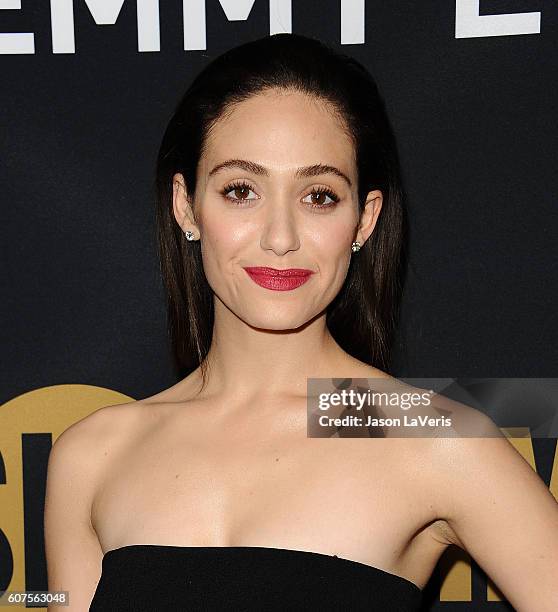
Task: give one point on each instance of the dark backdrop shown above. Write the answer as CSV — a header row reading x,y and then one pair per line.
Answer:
x,y
474,116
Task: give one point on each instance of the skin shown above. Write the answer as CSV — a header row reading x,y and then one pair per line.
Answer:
x,y
232,465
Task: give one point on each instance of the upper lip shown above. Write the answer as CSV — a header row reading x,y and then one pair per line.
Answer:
x,y
275,272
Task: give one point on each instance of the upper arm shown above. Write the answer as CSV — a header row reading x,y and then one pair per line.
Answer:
x,y
73,552
503,515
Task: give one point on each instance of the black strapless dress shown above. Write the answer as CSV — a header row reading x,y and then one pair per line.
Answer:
x,y
151,577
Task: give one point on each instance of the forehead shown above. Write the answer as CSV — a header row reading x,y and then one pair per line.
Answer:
x,y
281,129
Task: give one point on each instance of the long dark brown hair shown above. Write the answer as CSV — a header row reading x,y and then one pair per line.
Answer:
x,y
363,315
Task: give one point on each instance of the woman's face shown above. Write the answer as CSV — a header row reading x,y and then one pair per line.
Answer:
x,y
275,207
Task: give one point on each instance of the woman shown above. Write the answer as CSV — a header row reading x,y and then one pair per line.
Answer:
x,y
280,225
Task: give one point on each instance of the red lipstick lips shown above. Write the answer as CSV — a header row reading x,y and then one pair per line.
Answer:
x,y
279,280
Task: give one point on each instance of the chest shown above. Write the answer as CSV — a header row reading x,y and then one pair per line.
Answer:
x,y
339,496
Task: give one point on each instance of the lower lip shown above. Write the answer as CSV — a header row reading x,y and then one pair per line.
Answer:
x,y
278,283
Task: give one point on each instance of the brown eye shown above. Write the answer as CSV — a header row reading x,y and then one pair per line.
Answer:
x,y
320,196
240,191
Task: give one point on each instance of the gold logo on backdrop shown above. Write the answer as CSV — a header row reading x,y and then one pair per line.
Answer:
x,y
29,425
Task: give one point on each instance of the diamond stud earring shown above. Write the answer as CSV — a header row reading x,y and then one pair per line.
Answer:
x,y
355,247
189,235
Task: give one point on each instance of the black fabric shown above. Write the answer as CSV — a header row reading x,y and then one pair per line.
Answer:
x,y
158,577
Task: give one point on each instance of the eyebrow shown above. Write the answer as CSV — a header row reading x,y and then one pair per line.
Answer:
x,y
303,172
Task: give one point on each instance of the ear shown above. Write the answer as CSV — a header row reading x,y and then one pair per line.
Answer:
x,y
369,215
182,206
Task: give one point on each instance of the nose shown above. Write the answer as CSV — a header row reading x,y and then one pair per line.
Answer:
x,y
279,231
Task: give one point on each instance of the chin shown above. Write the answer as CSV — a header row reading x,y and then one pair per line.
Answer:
x,y
281,322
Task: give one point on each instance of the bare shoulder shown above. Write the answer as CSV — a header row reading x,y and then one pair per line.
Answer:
x,y
475,450
84,435
88,445
457,451
82,449
74,452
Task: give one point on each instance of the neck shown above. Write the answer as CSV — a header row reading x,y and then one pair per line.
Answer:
x,y
246,362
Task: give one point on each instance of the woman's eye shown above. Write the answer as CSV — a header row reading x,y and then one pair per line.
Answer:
x,y
318,198
240,192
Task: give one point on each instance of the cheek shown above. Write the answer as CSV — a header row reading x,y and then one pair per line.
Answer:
x,y
334,241
332,245
223,240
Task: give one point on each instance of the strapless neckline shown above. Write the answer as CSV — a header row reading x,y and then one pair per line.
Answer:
x,y
130,548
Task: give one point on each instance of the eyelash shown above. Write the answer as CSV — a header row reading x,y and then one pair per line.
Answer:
x,y
243,184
